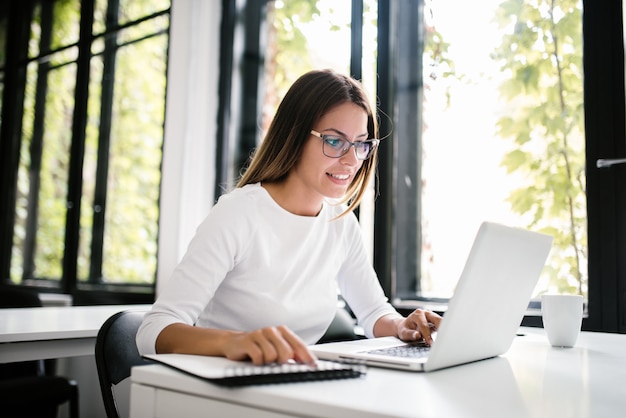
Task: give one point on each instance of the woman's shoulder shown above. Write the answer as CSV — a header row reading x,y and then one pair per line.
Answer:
x,y
234,211
241,199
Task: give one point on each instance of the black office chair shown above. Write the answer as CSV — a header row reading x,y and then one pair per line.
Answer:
x,y
29,388
341,329
116,353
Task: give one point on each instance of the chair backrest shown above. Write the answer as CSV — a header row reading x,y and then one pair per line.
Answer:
x,y
341,329
15,297
116,353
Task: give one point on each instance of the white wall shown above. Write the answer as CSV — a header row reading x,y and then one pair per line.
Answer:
x,y
190,128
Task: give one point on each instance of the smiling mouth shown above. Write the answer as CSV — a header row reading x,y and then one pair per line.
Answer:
x,y
339,176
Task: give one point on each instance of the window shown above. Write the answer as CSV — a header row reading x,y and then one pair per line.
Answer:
x,y
416,62
548,136
495,126
502,138
460,112
82,137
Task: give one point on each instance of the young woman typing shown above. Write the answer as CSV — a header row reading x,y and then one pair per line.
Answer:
x,y
259,280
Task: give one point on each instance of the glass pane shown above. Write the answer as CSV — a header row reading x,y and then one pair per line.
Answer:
x,y
300,33
132,211
42,180
4,22
99,16
503,134
131,10
35,32
156,25
54,170
66,23
18,256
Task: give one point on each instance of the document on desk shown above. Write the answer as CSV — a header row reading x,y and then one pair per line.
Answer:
x,y
227,372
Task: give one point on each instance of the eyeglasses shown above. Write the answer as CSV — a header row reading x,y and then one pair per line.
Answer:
x,y
335,146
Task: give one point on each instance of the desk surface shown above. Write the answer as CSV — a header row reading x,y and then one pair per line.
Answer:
x,y
531,380
53,332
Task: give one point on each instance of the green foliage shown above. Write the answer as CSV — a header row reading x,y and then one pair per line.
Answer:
x,y
437,58
66,26
289,59
542,50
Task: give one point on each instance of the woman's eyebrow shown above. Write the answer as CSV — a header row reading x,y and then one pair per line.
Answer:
x,y
343,134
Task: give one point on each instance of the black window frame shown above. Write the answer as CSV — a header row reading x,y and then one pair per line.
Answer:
x,y
20,14
603,60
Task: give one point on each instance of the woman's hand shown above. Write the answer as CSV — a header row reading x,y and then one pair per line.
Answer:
x,y
420,324
267,345
263,346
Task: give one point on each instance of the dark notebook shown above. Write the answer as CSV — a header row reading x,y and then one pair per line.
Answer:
x,y
227,372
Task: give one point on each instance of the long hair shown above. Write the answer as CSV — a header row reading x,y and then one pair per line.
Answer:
x,y
312,96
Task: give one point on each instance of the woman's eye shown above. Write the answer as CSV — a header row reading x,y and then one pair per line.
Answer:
x,y
334,142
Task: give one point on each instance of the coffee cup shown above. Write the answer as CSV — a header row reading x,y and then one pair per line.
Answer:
x,y
562,318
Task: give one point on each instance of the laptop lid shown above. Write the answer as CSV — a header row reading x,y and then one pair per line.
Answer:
x,y
485,312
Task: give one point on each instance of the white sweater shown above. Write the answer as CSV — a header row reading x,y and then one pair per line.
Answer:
x,y
252,264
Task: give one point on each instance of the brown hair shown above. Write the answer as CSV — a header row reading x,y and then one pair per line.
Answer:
x,y
312,96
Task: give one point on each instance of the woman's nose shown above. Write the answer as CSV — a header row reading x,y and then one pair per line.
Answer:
x,y
350,158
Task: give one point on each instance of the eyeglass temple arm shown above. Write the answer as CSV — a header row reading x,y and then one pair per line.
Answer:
x,y
607,163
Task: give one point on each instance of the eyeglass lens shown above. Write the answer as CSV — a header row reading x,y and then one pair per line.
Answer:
x,y
336,147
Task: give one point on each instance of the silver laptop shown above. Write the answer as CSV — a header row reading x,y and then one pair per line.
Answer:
x,y
483,316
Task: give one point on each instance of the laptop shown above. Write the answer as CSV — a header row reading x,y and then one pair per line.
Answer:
x,y
484,314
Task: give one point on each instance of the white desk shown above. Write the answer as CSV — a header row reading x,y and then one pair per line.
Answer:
x,y
531,380
53,332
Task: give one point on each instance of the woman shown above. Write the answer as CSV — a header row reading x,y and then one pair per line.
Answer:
x,y
259,280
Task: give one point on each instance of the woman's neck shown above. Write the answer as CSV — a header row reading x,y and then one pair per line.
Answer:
x,y
292,199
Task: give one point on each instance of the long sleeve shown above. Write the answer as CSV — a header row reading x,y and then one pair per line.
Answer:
x,y
358,282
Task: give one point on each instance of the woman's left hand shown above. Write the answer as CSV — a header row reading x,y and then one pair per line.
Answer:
x,y
420,324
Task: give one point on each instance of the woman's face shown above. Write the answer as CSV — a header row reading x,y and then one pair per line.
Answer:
x,y
323,176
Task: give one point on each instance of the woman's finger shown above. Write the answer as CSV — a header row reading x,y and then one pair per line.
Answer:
x,y
299,349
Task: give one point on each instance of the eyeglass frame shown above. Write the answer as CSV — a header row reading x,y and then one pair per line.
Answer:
x,y
354,144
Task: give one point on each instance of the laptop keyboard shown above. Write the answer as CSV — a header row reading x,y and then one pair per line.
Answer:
x,y
406,351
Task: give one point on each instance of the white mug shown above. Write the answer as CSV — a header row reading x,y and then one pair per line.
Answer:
x,y
562,318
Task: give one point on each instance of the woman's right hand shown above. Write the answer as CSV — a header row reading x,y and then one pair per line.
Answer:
x,y
267,345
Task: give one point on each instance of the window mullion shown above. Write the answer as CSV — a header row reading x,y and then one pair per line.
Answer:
x,y
408,127
104,141
77,150
18,33
251,77
227,36
356,40
384,205
603,60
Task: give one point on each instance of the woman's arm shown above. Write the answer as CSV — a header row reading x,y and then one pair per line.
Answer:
x,y
266,345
